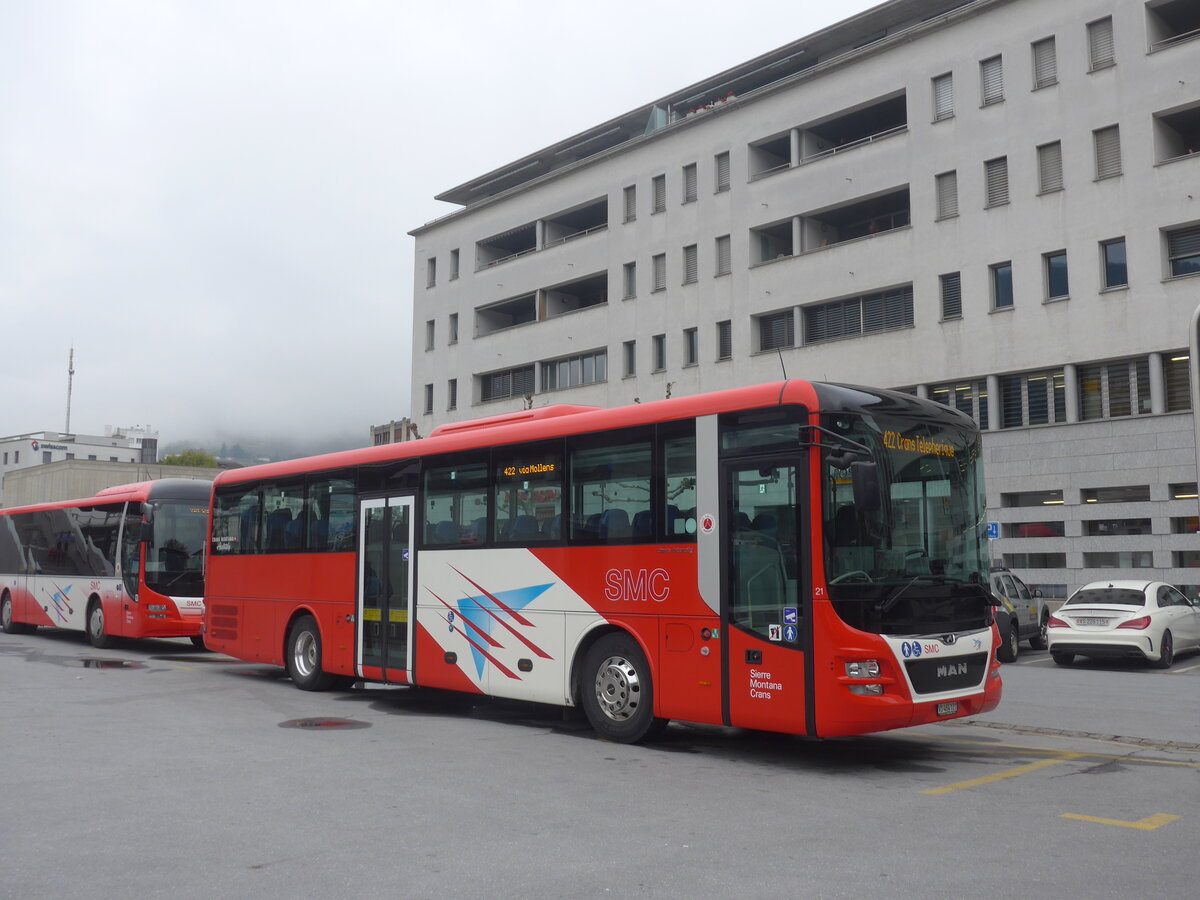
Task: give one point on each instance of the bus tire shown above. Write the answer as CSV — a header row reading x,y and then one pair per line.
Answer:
x,y
616,692
303,658
198,641
7,623
97,636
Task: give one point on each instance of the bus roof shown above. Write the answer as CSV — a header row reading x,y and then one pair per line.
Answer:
x,y
159,489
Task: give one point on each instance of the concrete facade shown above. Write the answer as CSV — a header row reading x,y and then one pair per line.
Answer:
x,y
121,445
991,203
78,479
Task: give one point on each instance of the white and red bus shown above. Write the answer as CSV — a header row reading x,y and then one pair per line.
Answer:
x,y
795,557
128,562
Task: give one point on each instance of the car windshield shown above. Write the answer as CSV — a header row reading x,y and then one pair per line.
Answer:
x,y
1107,596
175,559
905,536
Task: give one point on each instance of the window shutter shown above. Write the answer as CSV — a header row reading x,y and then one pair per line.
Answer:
x,y
1101,49
660,272
689,183
952,296
1045,63
1108,152
777,331
1183,243
722,171
630,203
690,267
725,340
992,77
997,180
943,97
660,193
1050,171
947,195
724,256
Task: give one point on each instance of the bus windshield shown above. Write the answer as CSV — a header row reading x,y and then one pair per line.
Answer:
x,y
903,506
175,553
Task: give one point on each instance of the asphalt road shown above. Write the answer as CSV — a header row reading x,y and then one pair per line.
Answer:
x,y
153,771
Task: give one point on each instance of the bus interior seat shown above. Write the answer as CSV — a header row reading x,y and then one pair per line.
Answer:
x,y
554,528
445,533
524,528
478,532
643,524
277,521
767,525
614,525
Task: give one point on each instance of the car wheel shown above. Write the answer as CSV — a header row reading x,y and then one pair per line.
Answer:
x,y
1166,652
96,634
617,694
1012,641
304,657
1038,641
1063,659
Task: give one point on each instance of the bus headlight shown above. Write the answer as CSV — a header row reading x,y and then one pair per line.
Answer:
x,y
863,668
156,607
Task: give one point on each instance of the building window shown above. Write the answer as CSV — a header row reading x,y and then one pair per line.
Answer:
x,y
1116,527
629,355
1125,559
452,394
516,382
1131,493
947,195
631,203
991,79
1002,285
1035,398
951,296
1114,390
1050,167
943,97
1045,63
777,331
725,340
968,397
690,264
630,280
1101,49
658,186
1031,498
1055,265
1116,271
428,399
722,161
431,272
659,348
1108,152
996,178
574,371
659,265
724,256
429,331
1177,382
453,264
691,347
1183,251
689,183
868,314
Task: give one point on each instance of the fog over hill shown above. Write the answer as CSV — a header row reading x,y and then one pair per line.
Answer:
x,y
250,449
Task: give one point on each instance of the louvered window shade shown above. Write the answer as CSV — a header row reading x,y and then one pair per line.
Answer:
x,y
943,97
1045,64
1108,152
690,264
1101,49
689,183
1183,251
722,171
660,272
725,340
996,176
884,311
947,195
630,203
951,296
776,331
724,257
1050,168
660,192
991,74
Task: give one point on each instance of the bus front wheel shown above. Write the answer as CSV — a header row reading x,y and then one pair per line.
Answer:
x,y
617,694
304,656
96,634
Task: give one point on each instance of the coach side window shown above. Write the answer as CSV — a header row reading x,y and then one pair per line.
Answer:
x,y
456,504
283,517
679,472
528,494
610,477
235,522
331,515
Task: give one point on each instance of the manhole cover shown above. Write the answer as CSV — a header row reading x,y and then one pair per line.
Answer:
x,y
318,724
105,664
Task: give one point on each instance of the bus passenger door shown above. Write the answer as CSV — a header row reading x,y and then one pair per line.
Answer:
x,y
764,610
385,589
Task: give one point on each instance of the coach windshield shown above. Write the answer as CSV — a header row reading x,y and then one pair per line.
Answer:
x,y
175,548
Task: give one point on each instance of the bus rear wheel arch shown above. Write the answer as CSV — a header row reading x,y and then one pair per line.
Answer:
x,y
616,690
95,627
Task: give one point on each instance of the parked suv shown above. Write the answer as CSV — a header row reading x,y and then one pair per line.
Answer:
x,y
1021,615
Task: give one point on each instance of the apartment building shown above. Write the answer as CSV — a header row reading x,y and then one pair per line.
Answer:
x,y
994,204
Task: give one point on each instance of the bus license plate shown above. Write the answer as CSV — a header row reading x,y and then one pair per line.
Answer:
x,y
947,709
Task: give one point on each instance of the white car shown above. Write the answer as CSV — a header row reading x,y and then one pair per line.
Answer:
x,y
1125,620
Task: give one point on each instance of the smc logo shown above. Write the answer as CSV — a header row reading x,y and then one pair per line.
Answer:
x,y
642,584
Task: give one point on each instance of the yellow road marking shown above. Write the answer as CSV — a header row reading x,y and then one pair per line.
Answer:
x,y
1150,823
1007,773
990,749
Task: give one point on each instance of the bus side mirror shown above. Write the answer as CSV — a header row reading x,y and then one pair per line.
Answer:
x,y
864,477
146,535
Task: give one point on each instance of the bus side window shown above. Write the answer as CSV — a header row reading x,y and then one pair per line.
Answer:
x,y
235,522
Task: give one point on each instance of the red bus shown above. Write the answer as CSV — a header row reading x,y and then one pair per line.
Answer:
x,y
128,562
795,557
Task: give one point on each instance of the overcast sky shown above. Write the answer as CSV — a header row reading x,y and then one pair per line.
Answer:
x,y
210,198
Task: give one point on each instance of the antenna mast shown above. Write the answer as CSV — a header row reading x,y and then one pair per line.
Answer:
x,y
70,379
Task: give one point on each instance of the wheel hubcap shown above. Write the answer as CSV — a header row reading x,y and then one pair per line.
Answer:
x,y
97,621
305,654
6,614
618,688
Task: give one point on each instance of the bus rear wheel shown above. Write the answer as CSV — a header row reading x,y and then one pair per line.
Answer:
x,y
617,694
6,619
303,658
96,634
